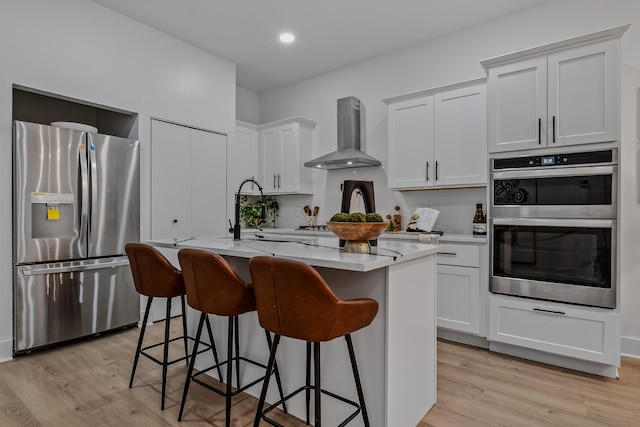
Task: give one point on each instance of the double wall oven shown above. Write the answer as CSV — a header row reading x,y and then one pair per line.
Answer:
x,y
553,222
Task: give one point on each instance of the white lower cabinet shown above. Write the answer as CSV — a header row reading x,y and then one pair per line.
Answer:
x,y
459,301
580,332
458,298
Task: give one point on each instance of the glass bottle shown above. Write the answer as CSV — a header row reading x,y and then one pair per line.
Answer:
x,y
479,222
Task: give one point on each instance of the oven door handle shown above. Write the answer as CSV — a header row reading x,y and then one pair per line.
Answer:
x,y
550,173
547,222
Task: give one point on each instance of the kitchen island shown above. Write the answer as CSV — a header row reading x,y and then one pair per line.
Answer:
x,y
396,354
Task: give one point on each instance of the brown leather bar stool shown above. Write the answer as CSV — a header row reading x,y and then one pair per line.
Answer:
x,y
155,277
294,301
213,287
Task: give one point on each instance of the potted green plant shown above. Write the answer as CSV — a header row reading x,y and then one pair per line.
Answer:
x,y
251,210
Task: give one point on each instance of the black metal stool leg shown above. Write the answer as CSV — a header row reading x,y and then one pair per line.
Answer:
x,y
185,336
308,383
265,383
213,348
277,374
144,327
165,357
237,344
230,341
192,362
354,366
316,380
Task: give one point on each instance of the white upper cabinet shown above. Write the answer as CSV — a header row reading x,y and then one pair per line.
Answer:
x,y
284,147
584,94
243,159
437,138
566,93
411,143
460,127
518,105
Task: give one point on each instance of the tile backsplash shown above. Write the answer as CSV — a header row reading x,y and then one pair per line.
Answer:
x,y
456,206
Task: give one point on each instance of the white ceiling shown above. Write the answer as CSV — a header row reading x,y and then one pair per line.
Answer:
x,y
330,34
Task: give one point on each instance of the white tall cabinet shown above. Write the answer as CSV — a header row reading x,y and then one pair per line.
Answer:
x,y
243,157
543,100
188,181
437,137
566,93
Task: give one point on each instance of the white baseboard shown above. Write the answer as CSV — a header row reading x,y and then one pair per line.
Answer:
x,y
630,347
463,338
554,359
6,350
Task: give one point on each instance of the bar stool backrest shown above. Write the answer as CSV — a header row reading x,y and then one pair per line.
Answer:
x,y
294,300
153,274
213,286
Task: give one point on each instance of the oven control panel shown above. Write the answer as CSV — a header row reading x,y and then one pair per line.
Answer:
x,y
566,159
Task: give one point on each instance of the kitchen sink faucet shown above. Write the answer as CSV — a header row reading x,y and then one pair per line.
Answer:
x,y
263,212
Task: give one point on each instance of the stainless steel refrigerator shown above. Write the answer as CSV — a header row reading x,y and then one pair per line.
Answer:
x,y
76,203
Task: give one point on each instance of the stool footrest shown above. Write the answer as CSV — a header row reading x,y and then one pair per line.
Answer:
x,y
170,362
195,378
271,407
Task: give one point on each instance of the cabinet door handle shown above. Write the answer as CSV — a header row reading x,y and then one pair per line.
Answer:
x,y
278,180
436,170
274,180
549,311
427,171
253,177
448,253
539,131
554,128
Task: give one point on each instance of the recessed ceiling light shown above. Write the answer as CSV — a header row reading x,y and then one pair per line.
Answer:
x,y
287,37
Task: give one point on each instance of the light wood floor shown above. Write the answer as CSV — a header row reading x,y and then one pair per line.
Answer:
x,y
86,384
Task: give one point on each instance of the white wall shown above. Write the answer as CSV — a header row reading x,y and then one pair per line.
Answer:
x,y
436,63
630,206
81,50
247,107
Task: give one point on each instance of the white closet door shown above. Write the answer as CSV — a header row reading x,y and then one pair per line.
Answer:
x,y
170,180
208,184
188,181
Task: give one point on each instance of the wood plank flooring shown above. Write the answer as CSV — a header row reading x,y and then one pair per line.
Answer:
x,y
480,388
86,384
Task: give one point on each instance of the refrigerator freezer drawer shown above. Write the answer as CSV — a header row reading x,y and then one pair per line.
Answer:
x,y
62,301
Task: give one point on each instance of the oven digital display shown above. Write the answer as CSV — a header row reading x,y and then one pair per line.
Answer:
x,y
548,160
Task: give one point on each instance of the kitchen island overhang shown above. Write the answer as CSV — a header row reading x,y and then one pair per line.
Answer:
x,y
396,353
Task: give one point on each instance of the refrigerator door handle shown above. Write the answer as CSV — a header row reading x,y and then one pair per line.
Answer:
x,y
84,195
93,180
116,262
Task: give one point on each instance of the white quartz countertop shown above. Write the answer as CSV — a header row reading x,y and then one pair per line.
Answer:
x,y
318,251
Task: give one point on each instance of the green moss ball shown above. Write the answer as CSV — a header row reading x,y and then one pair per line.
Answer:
x,y
374,217
340,217
357,217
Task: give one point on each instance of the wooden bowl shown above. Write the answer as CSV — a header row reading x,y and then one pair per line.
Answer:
x,y
357,234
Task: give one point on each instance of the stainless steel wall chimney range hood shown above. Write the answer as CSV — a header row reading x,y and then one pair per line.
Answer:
x,y
348,154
